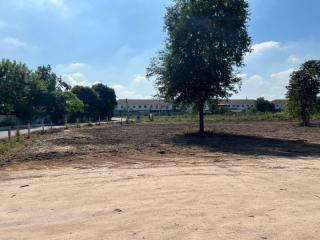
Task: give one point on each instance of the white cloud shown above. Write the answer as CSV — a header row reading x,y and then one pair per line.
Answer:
x,y
293,59
123,92
76,78
252,80
259,48
139,78
13,43
72,67
78,65
283,75
75,73
242,75
256,78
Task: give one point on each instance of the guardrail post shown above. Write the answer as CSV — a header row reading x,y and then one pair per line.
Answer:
x,y
17,133
29,130
42,125
9,134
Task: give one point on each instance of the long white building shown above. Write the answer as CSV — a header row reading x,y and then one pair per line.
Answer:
x,y
142,106
238,105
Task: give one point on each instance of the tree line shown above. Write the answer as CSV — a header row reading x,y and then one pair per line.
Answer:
x,y
42,94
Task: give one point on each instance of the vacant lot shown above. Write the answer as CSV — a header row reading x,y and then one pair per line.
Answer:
x,y
243,180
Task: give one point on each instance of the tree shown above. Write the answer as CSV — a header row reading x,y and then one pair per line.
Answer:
x,y
43,87
107,100
304,86
318,105
42,94
263,105
30,94
90,99
67,106
215,108
206,40
15,81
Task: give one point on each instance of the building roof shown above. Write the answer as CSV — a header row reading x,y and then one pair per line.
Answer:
x,y
142,102
222,102
238,102
279,101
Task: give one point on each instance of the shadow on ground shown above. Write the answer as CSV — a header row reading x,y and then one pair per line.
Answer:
x,y
248,145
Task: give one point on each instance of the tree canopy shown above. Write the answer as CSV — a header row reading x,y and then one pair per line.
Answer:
x,y
107,100
263,105
303,89
42,94
89,98
99,100
15,89
207,40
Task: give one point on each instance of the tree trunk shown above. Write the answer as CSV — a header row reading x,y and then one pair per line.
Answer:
x,y
305,118
306,121
201,116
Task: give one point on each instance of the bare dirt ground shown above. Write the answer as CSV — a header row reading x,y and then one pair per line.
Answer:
x,y
246,180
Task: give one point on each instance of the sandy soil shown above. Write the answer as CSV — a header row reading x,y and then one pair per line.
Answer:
x,y
241,181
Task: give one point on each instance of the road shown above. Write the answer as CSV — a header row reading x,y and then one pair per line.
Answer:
x,y
270,199
4,134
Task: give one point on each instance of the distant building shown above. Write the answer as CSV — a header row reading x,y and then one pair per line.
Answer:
x,y
238,105
146,106
143,106
280,104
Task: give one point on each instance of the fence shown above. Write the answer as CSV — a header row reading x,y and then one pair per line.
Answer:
x,y
9,132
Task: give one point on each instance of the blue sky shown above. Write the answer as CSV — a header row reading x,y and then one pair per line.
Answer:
x,y
112,41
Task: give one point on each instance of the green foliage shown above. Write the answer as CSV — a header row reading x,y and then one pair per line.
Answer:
x,y
15,91
67,106
318,106
215,108
281,116
303,89
25,93
206,40
44,86
42,94
107,100
250,110
263,105
5,146
99,101
90,99
316,116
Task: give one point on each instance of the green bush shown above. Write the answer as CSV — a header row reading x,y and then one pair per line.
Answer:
x,y
244,116
5,146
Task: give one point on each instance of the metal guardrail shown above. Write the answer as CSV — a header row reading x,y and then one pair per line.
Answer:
x,y
6,128
12,131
